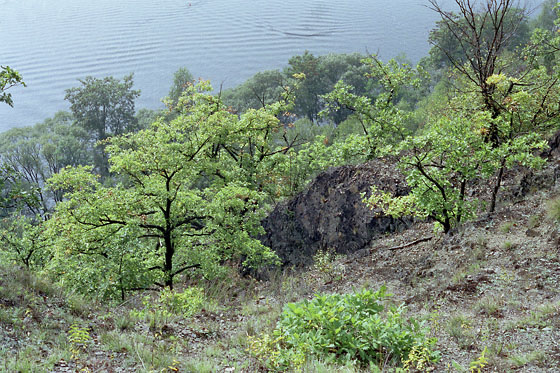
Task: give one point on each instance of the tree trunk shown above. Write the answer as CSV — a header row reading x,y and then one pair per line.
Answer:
x,y
168,265
497,186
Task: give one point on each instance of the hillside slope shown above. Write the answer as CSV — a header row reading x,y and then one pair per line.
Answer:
x,y
491,286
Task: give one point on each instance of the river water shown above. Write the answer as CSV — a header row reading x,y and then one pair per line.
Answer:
x,y
53,43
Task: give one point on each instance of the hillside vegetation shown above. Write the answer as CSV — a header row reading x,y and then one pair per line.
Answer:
x,y
223,233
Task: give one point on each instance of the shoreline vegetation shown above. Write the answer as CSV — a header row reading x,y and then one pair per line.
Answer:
x,y
133,239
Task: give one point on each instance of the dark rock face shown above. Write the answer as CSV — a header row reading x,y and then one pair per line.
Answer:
x,y
330,213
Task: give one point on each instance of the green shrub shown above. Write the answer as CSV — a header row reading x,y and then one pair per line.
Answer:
x,y
185,303
169,305
326,262
343,328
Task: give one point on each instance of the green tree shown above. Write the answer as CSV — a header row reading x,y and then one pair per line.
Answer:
x,y
498,82
104,108
260,90
546,19
182,79
382,122
9,78
448,161
34,154
190,197
444,165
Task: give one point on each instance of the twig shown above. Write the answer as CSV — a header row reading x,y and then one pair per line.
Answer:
x,y
411,243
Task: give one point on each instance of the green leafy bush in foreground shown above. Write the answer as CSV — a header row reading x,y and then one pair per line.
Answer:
x,y
342,329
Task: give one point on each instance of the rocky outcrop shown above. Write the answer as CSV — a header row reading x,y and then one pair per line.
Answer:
x,y
330,214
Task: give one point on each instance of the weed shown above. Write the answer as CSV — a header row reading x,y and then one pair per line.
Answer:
x,y
459,328
533,221
78,338
553,209
523,359
124,322
327,262
461,274
488,305
476,365
507,227
169,306
200,366
507,245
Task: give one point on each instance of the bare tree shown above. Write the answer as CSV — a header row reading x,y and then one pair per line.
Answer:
x,y
480,32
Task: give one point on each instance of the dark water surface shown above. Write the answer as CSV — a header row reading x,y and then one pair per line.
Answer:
x,y
53,43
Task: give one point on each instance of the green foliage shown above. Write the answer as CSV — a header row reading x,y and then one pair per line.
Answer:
x,y
9,78
477,365
443,162
452,37
22,244
34,154
184,303
190,197
438,166
104,108
181,81
325,262
382,123
343,328
260,90
78,337
170,304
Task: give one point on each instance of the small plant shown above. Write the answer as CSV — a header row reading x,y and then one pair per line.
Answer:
x,y
507,227
476,365
325,262
553,209
524,359
508,245
78,337
345,329
185,303
169,305
420,359
459,327
534,221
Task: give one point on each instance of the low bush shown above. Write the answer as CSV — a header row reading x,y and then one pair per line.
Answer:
x,y
170,305
343,328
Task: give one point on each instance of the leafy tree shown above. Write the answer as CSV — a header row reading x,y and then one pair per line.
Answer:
x,y
307,95
547,17
545,41
104,108
498,83
181,81
444,165
320,75
22,243
9,78
190,197
382,122
145,117
34,154
260,90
